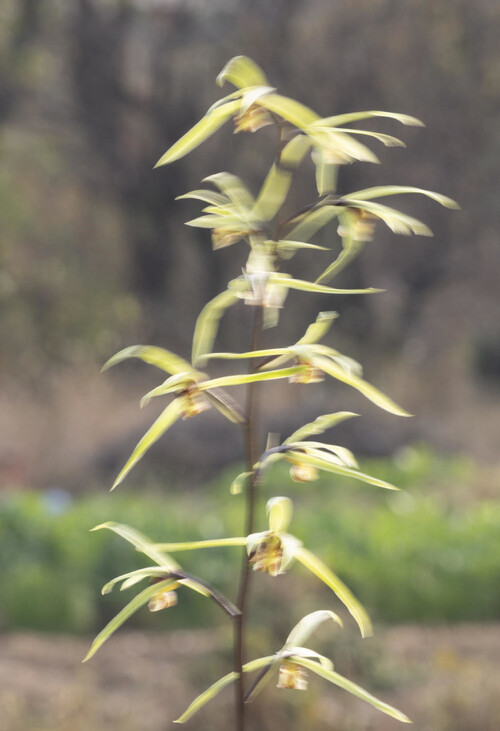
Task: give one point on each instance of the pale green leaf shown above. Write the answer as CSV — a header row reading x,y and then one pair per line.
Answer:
x,y
351,687
168,417
137,602
199,133
307,625
371,393
355,116
319,425
159,357
382,190
207,324
194,545
319,569
242,71
279,511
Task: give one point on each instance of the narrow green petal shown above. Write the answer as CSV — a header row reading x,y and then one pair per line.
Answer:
x,y
294,151
371,393
387,140
141,543
355,116
382,190
294,112
315,459
117,621
232,186
348,685
326,173
242,71
307,653
279,510
399,223
168,417
159,357
309,624
340,148
318,329
206,696
136,576
287,248
193,545
308,224
226,405
249,354
319,569
199,133
345,455
319,425
207,324
216,688
250,378
305,286
272,194
238,483
351,248
207,196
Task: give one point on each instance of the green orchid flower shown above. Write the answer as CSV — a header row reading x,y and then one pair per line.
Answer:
x,y
293,661
255,104
273,550
315,360
165,577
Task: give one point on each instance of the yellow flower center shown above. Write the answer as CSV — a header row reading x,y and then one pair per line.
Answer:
x,y
292,676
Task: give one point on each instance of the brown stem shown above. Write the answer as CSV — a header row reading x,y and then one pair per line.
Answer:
x,y
251,454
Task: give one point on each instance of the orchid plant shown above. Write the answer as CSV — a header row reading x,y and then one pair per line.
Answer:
x,y
234,216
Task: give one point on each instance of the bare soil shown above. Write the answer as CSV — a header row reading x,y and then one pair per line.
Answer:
x,y
444,678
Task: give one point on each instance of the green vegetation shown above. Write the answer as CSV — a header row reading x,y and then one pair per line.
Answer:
x,y
427,553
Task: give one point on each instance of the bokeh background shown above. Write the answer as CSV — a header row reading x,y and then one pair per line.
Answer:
x,y
94,256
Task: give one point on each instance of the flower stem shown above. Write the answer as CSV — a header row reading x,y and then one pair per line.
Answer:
x,y
251,453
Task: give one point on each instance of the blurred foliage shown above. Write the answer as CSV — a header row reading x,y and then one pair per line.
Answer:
x,y
427,553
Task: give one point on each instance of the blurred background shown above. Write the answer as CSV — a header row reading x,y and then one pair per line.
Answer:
x,y
94,256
